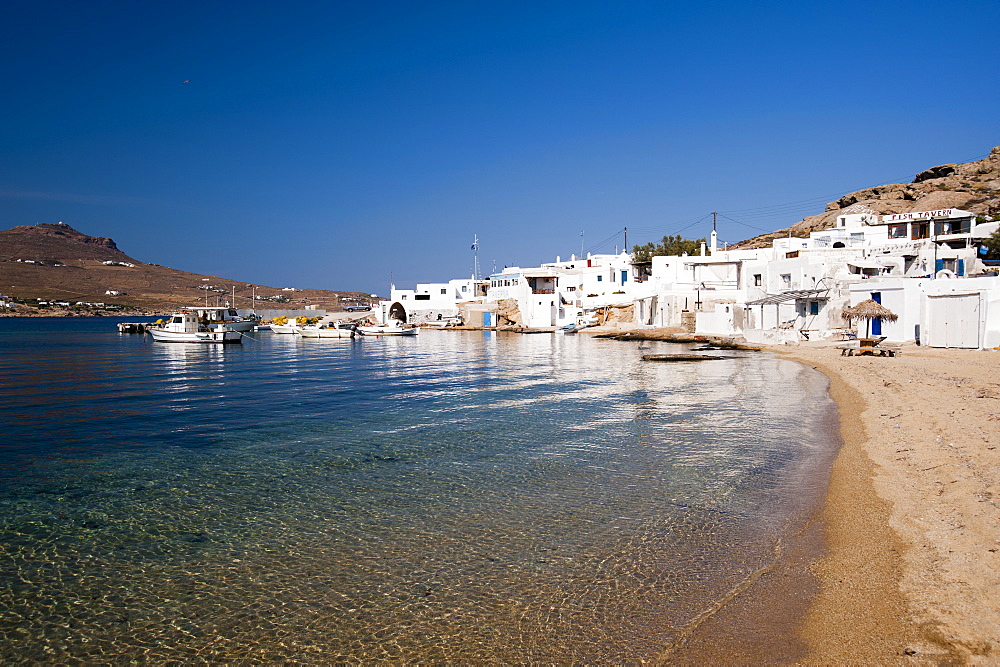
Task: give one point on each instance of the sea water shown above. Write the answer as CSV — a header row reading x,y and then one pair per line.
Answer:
x,y
454,496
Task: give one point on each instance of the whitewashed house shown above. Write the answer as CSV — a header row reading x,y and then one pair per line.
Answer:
x,y
937,312
813,280
430,301
562,292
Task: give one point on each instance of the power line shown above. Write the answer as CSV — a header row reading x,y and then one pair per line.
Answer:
x,y
759,213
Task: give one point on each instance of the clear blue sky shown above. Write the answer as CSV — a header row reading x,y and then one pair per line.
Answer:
x,y
331,144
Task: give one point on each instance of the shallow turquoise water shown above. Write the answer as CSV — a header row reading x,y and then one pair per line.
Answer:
x,y
454,496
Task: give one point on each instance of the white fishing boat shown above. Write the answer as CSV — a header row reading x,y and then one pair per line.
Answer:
x,y
185,327
393,328
286,325
213,315
329,331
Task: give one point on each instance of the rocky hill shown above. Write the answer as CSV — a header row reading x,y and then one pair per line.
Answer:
x,y
55,262
972,186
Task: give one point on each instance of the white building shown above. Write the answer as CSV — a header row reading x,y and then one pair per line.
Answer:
x,y
806,285
562,292
937,312
430,301
924,266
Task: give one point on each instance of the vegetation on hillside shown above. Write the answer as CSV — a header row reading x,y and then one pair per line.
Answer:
x,y
670,245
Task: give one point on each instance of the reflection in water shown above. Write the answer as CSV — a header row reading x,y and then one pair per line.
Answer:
x,y
452,496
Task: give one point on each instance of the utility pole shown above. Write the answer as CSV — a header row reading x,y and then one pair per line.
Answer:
x,y
475,257
625,248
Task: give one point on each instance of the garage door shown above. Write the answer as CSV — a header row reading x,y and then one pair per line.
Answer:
x,y
953,320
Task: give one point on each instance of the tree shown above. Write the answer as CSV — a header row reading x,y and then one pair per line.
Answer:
x,y
993,245
670,245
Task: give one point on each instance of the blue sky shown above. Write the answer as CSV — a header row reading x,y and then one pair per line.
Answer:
x,y
333,144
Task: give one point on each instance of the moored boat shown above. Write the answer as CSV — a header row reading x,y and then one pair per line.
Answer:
x,y
330,331
213,315
184,327
393,328
285,325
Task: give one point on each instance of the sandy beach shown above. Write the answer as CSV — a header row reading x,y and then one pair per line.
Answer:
x,y
912,527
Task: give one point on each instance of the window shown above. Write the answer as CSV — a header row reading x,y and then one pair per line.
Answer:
x,y
897,231
444,290
757,280
600,278
814,307
422,297
402,297
465,288
921,230
786,279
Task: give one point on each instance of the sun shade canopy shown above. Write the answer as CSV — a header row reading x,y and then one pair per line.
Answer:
x,y
790,296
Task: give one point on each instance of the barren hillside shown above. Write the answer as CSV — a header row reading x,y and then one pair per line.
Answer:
x,y
57,262
972,186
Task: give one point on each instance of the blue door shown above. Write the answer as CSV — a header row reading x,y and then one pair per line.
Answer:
x,y
877,322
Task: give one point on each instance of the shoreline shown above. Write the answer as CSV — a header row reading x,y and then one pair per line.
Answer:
x,y
901,562
912,561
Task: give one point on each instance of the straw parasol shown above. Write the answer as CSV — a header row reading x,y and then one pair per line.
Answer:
x,y
870,310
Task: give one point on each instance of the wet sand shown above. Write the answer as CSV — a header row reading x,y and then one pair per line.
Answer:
x,y
912,563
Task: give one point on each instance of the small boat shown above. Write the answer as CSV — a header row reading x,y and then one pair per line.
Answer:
x,y
290,328
582,322
184,327
394,328
286,325
443,323
213,315
329,331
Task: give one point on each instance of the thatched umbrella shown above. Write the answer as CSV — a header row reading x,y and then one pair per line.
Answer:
x,y
870,310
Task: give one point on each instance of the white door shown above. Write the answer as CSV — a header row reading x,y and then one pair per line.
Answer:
x,y
953,320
